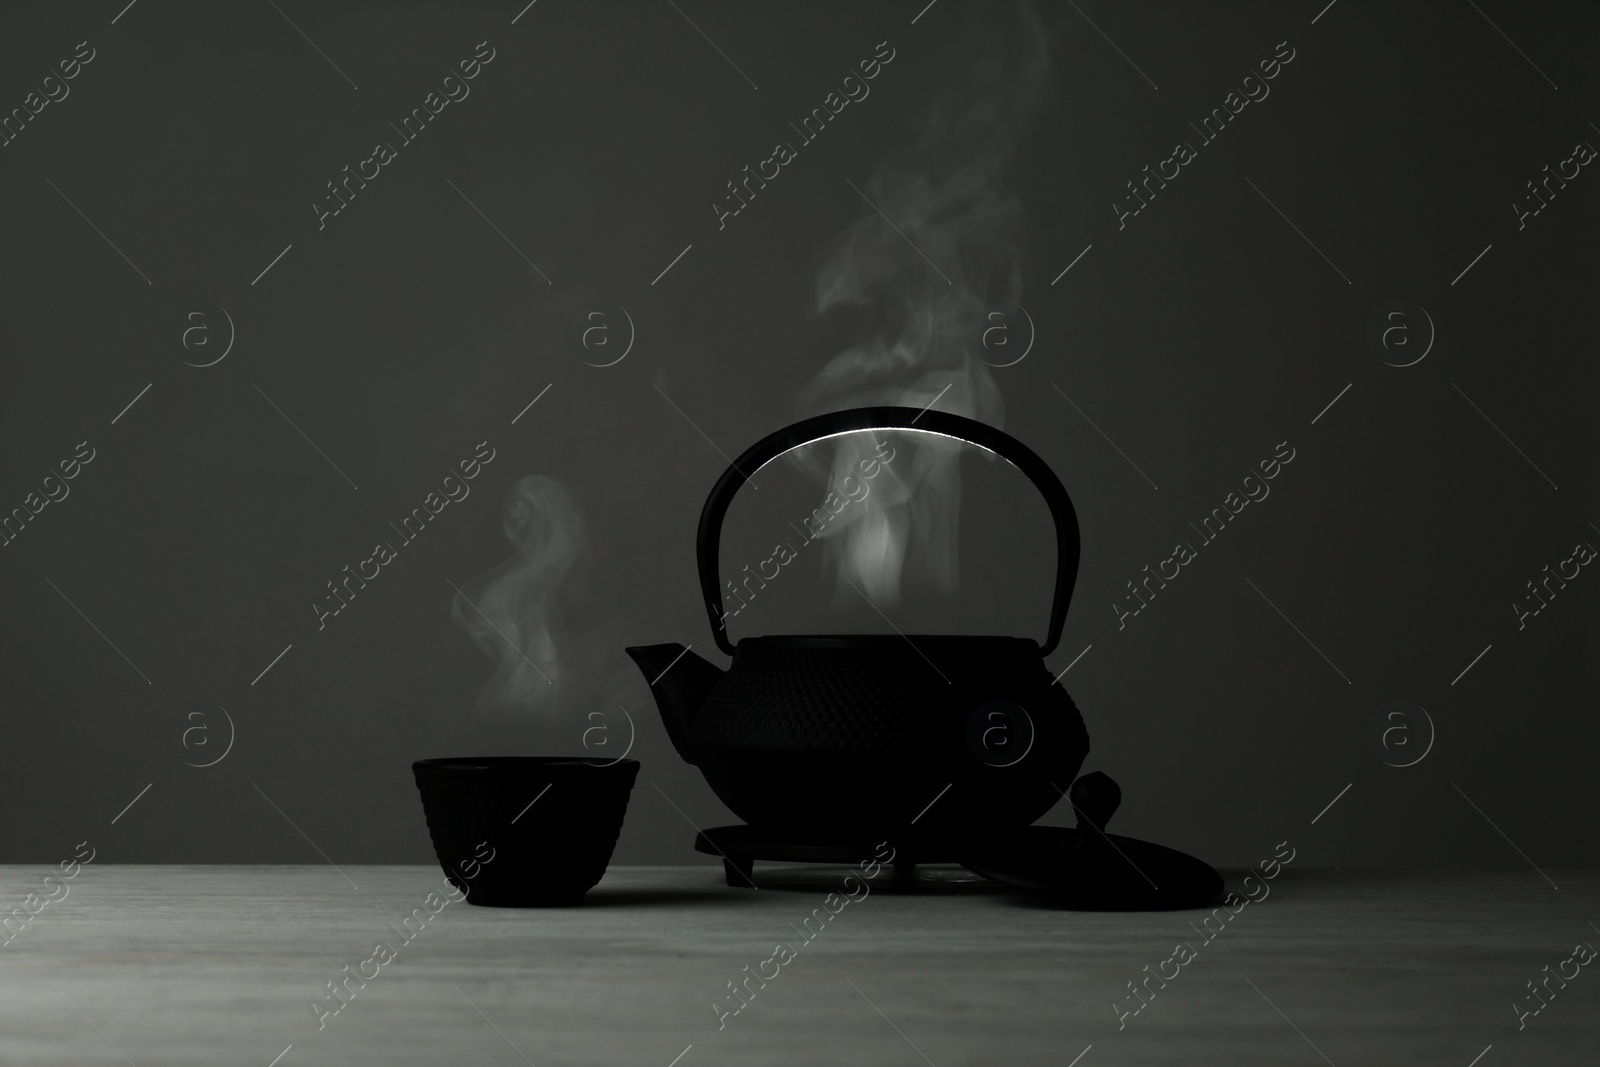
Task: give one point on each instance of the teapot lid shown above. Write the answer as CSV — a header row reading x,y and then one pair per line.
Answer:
x,y
1126,874
1085,867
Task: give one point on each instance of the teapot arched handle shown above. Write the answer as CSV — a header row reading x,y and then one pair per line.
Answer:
x,y
837,423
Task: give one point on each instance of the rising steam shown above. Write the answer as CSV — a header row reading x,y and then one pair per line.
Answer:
x,y
513,612
929,290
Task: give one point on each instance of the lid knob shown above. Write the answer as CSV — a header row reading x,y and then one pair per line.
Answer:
x,y
1095,797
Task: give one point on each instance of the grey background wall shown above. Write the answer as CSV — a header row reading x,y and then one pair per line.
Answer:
x,y
178,177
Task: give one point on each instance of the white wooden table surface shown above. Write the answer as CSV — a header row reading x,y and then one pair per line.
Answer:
x,y
155,965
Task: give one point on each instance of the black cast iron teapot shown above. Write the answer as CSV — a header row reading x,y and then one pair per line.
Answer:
x,y
875,732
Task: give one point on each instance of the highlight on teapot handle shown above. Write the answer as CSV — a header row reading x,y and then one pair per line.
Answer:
x,y
854,420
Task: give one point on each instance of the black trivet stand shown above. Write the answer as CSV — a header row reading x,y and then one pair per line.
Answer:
x,y
741,846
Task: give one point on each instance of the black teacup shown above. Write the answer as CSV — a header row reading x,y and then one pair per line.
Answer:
x,y
524,831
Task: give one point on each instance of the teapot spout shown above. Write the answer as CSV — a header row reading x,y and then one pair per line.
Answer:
x,y
680,681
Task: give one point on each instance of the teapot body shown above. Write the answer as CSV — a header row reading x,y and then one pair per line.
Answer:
x,y
867,732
